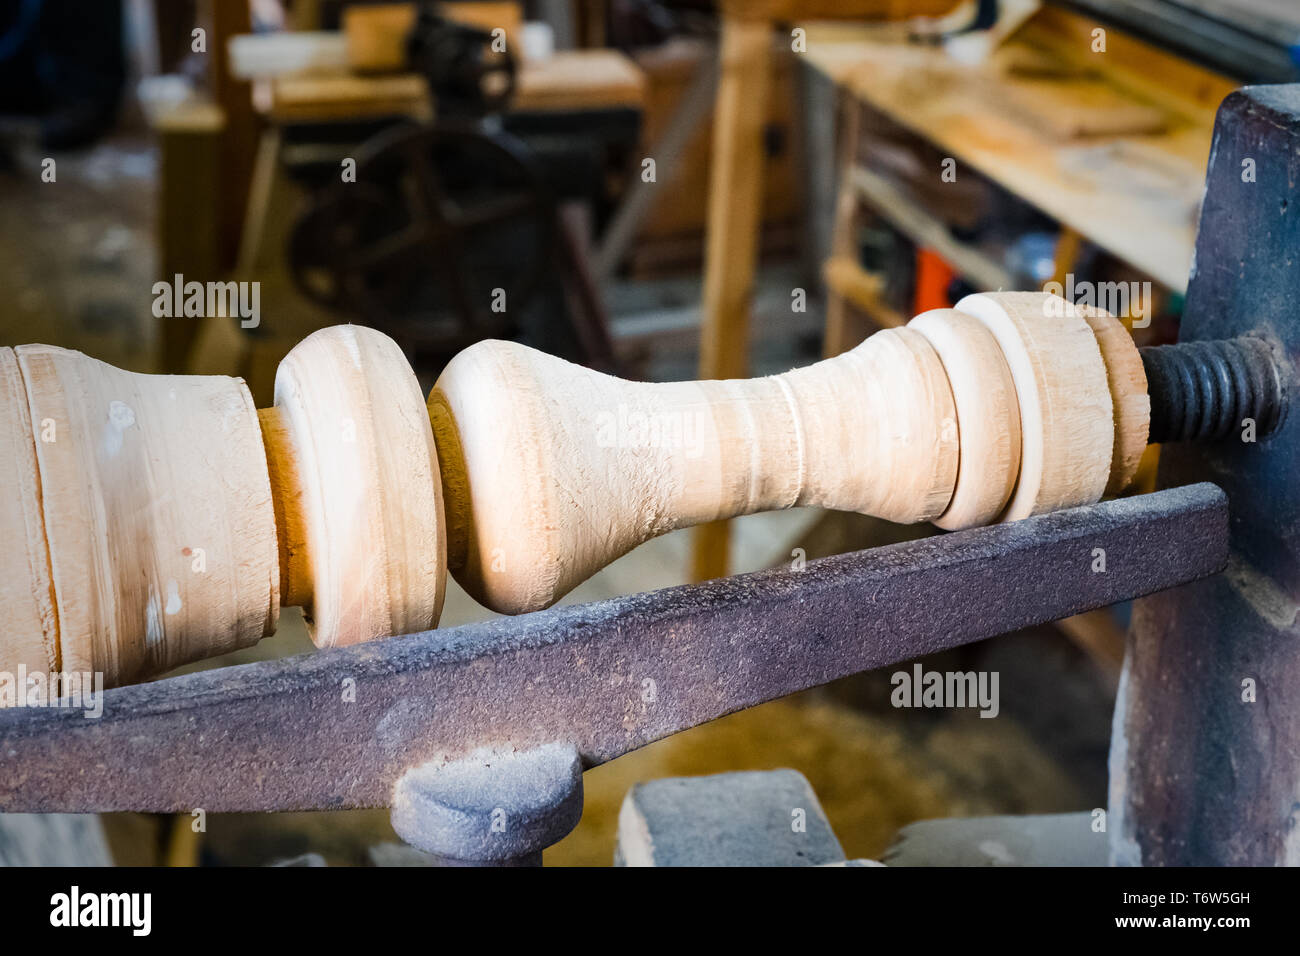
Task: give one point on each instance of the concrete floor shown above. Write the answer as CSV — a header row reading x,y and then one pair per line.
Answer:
x,y
77,266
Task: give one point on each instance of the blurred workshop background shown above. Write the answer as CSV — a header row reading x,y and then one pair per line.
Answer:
x,y
596,180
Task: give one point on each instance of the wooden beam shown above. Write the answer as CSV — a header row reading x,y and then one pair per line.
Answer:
x,y
239,134
768,11
731,250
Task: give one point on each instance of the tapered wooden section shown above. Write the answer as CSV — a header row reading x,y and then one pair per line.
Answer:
x,y
551,471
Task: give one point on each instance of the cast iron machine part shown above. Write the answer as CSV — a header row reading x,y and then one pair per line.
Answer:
x,y
418,244
442,222
469,78
448,235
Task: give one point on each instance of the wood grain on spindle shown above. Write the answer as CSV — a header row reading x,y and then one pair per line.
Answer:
x,y
551,471
1067,426
988,416
1130,401
356,482
31,631
157,513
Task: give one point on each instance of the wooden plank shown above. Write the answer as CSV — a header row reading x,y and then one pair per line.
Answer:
x,y
579,80
771,10
376,34
189,211
1134,195
1073,108
1181,86
573,80
239,134
346,96
844,328
735,195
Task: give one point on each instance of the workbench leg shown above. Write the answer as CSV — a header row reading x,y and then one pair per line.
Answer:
x,y
845,328
735,214
1068,246
265,169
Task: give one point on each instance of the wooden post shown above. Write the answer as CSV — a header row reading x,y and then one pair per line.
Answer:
x,y
239,135
845,327
735,209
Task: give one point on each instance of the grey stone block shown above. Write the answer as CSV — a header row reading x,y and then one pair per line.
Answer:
x,y
1056,839
52,839
754,818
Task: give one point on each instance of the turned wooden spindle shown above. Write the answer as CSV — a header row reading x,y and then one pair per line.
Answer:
x,y
154,520
996,410
354,479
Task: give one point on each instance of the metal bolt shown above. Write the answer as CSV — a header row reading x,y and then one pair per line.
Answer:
x,y
1204,390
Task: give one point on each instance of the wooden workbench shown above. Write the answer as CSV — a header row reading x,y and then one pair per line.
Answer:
x,y
566,80
1133,193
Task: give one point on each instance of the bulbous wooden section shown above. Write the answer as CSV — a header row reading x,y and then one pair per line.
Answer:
x,y
356,486
551,471
145,530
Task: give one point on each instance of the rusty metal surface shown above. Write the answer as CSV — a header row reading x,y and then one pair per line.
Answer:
x,y
338,728
1200,775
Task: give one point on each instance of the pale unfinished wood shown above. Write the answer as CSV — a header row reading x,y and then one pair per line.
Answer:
x,y
26,590
580,80
1066,417
157,511
284,471
1127,380
1153,179
551,471
358,488
988,415
375,36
